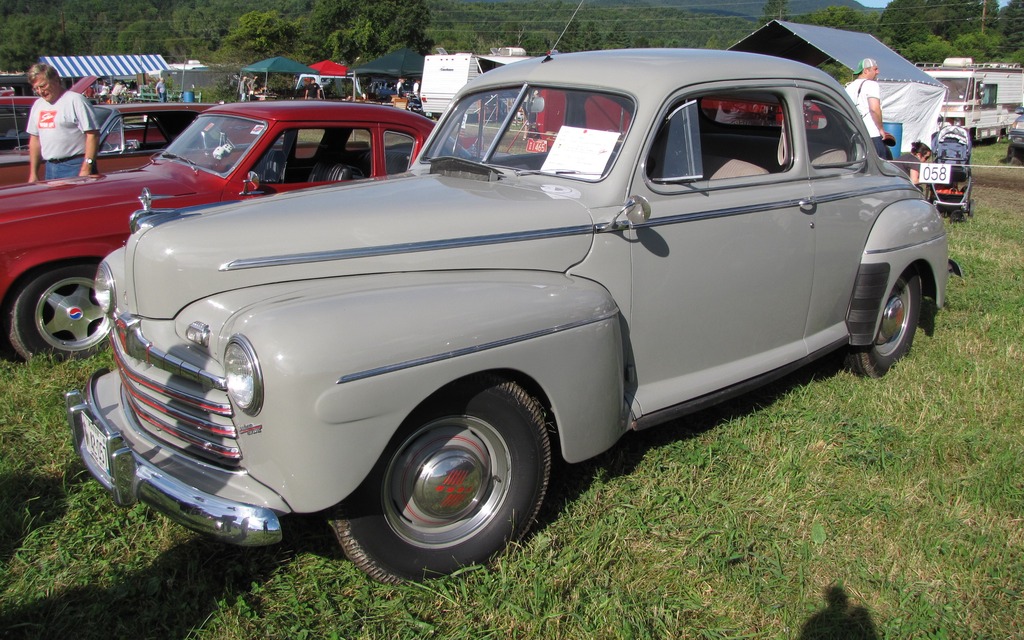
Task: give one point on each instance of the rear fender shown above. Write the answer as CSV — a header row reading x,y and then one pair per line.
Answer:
x,y
906,233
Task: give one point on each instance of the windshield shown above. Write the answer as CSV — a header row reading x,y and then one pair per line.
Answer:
x,y
216,143
543,129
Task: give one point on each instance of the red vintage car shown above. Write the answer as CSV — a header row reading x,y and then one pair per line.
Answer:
x,y
53,234
129,134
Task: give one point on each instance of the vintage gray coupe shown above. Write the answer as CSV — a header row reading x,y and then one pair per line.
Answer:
x,y
589,244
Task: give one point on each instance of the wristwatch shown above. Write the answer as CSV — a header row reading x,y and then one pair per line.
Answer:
x,y
89,161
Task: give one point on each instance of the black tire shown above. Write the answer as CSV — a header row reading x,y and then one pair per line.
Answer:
x,y
463,478
900,315
56,312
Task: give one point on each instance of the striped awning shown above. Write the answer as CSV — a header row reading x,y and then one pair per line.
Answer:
x,y
105,66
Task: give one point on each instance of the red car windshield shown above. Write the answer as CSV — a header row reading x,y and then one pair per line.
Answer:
x,y
216,143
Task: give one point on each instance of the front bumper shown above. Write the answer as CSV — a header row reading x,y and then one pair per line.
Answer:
x,y
130,478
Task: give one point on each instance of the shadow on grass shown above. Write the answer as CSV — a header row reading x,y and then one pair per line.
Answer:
x,y
28,503
173,595
839,620
569,481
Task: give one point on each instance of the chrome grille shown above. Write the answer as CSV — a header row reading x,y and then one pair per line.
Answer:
x,y
183,411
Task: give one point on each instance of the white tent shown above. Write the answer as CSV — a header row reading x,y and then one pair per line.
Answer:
x,y
910,96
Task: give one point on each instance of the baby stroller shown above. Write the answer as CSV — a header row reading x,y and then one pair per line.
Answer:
x,y
951,145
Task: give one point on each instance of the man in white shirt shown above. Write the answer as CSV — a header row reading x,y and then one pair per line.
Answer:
x,y
867,95
62,128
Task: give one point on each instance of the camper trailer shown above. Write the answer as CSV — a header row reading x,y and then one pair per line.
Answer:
x,y
445,73
982,96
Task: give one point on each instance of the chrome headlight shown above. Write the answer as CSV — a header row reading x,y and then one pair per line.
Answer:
x,y
244,378
105,291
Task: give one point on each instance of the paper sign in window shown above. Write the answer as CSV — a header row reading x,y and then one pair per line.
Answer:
x,y
580,151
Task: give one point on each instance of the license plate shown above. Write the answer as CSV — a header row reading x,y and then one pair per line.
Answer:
x,y
95,444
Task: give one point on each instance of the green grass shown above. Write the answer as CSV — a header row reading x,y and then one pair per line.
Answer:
x,y
825,506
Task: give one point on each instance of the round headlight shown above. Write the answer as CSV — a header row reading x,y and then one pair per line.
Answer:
x,y
103,288
244,378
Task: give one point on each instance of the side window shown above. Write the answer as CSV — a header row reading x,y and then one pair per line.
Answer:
x,y
832,138
113,142
720,136
338,154
675,154
398,148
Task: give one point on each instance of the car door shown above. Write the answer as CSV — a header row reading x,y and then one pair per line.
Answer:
x,y
847,199
722,271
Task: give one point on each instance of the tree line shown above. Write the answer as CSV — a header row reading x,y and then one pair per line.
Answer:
x,y
356,31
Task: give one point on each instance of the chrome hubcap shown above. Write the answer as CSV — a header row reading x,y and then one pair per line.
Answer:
x,y
447,481
894,317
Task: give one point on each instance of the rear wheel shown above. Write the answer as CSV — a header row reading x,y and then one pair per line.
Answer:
x,y
56,313
464,477
900,317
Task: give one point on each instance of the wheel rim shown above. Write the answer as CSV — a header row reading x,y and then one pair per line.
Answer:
x,y
895,317
447,480
68,317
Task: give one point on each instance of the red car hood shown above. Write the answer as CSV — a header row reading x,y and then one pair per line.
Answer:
x,y
118,191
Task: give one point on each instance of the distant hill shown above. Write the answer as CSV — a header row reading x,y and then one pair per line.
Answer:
x,y
738,8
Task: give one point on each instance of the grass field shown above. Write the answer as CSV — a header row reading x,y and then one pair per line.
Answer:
x,y
824,506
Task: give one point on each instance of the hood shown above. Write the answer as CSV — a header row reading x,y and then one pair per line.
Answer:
x,y
412,223
118,190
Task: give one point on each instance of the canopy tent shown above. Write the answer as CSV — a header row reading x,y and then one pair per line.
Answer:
x,y
277,64
105,66
329,69
909,95
401,63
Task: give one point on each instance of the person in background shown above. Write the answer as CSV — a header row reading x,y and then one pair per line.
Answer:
x,y
62,128
867,95
161,90
910,162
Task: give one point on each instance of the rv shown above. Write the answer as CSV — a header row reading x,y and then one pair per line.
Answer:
x,y
445,73
981,96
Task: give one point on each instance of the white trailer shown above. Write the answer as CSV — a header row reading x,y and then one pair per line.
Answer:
x,y
982,96
445,73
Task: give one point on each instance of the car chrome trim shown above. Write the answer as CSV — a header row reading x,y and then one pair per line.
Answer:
x,y
409,247
908,245
848,195
128,331
132,479
416,362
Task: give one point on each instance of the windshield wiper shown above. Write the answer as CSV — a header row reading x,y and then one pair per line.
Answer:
x,y
174,156
463,168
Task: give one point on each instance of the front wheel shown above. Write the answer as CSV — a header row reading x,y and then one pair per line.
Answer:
x,y
464,477
57,313
900,317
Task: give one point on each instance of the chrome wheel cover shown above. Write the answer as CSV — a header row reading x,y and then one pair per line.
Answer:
x,y
446,481
68,317
895,317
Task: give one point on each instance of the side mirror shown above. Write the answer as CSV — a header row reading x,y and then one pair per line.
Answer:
x,y
637,211
251,185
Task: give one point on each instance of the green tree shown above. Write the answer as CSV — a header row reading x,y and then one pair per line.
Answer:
x,y
775,10
983,47
263,34
355,30
902,24
933,49
24,38
1011,24
839,17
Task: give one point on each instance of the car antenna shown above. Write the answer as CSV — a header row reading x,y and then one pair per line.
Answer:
x,y
554,48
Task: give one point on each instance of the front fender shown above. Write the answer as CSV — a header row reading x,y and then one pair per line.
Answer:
x,y
346,361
